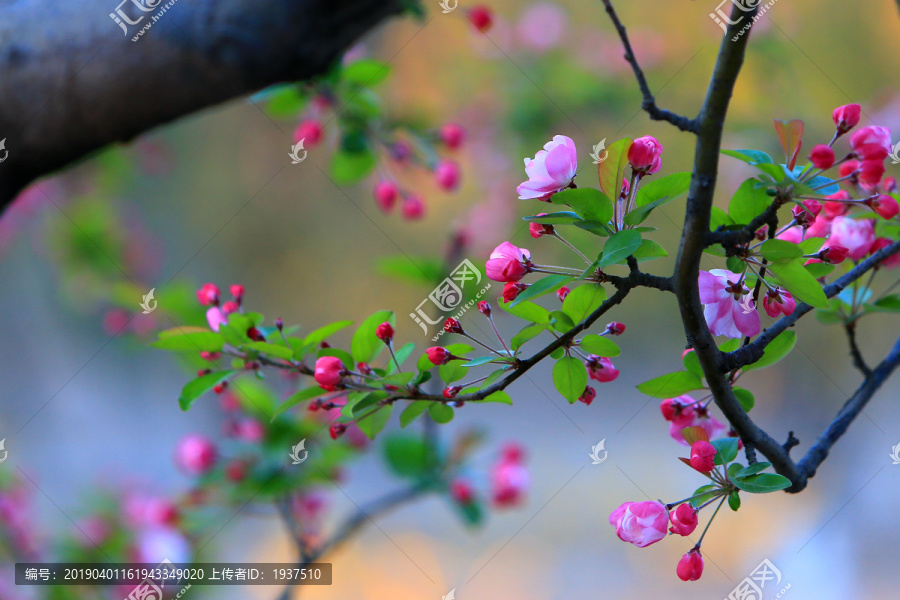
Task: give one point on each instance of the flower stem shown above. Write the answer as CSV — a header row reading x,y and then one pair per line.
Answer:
x,y
705,529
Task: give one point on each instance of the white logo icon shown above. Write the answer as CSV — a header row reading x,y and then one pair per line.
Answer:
x,y
296,159
448,7
296,450
599,154
896,454
148,298
752,587
3,447
5,151
452,594
747,304
895,153
596,450
721,16
120,18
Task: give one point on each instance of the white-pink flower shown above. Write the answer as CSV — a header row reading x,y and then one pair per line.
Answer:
x,y
640,523
551,170
856,235
727,312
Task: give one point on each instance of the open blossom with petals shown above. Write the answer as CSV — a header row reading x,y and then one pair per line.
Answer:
x,y
846,117
328,372
684,519
640,523
508,263
215,317
703,456
721,296
891,262
644,154
680,411
690,567
601,369
871,143
856,235
885,206
778,302
551,170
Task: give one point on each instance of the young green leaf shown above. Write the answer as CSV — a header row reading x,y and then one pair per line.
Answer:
x,y
570,378
619,247
726,450
763,483
748,202
671,385
372,424
610,171
591,204
548,284
600,345
583,300
777,349
799,282
441,413
197,387
365,345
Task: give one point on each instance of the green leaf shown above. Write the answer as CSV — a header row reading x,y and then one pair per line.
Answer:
x,y
499,397
408,455
558,353
595,227
619,247
366,72
726,450
656,193
744,398
348,168
819,270
777,349
189,340
527,310
649,250
610,171
477,362
365,345
583,300
748,202
197,387
751,157
692,363
734,501
542,286
671,385
296,398
762,483
887,304
560,321
372,424
704,494
412,412
735,265
600,345
570,378
752,469
319,335
591,204
272,349
528,333
555,218
452,371
441,413
780,250
402,355
800,283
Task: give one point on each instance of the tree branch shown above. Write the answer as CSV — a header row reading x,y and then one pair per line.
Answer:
x,y
856,354
71,83
649,102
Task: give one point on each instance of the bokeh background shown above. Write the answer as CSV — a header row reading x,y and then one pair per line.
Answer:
x,y
214,198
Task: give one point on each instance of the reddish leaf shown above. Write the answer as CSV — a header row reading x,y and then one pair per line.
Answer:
x,y
693,434
791,136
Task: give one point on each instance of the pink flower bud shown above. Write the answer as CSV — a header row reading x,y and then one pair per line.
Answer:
x,y
195,454
890,262
279,324
846,117
588,395
484,308
885,206
509,479
690,567
210,356
703,456
615,328
870,173
439,355
562,292
644,154
871,143
890,185
364,368
833,255
251,430
848,167
508,263
385,332
680,411
822,156
236,471
512,289
328,372
447,175
254,334
452,325
220,388
452,135
337,430
208,294
462,491
806,212
451,392
857,235
482,18
538,229
237,292
640,523
385,193
310,131
601,369
778,302
684,519
413,208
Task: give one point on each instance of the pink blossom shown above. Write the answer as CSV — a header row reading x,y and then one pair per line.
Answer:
x,y
712,426
452,135
551,170
721,296
640,523
447,175
846,117
508,263
703,456
680,411
872,142
542,26
856,235
601,369
644,154
208,294
385,193
328,372
684,519
690,567
822,156
309,132
413,208
215,317
891,262
196,454
510,478
778,302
